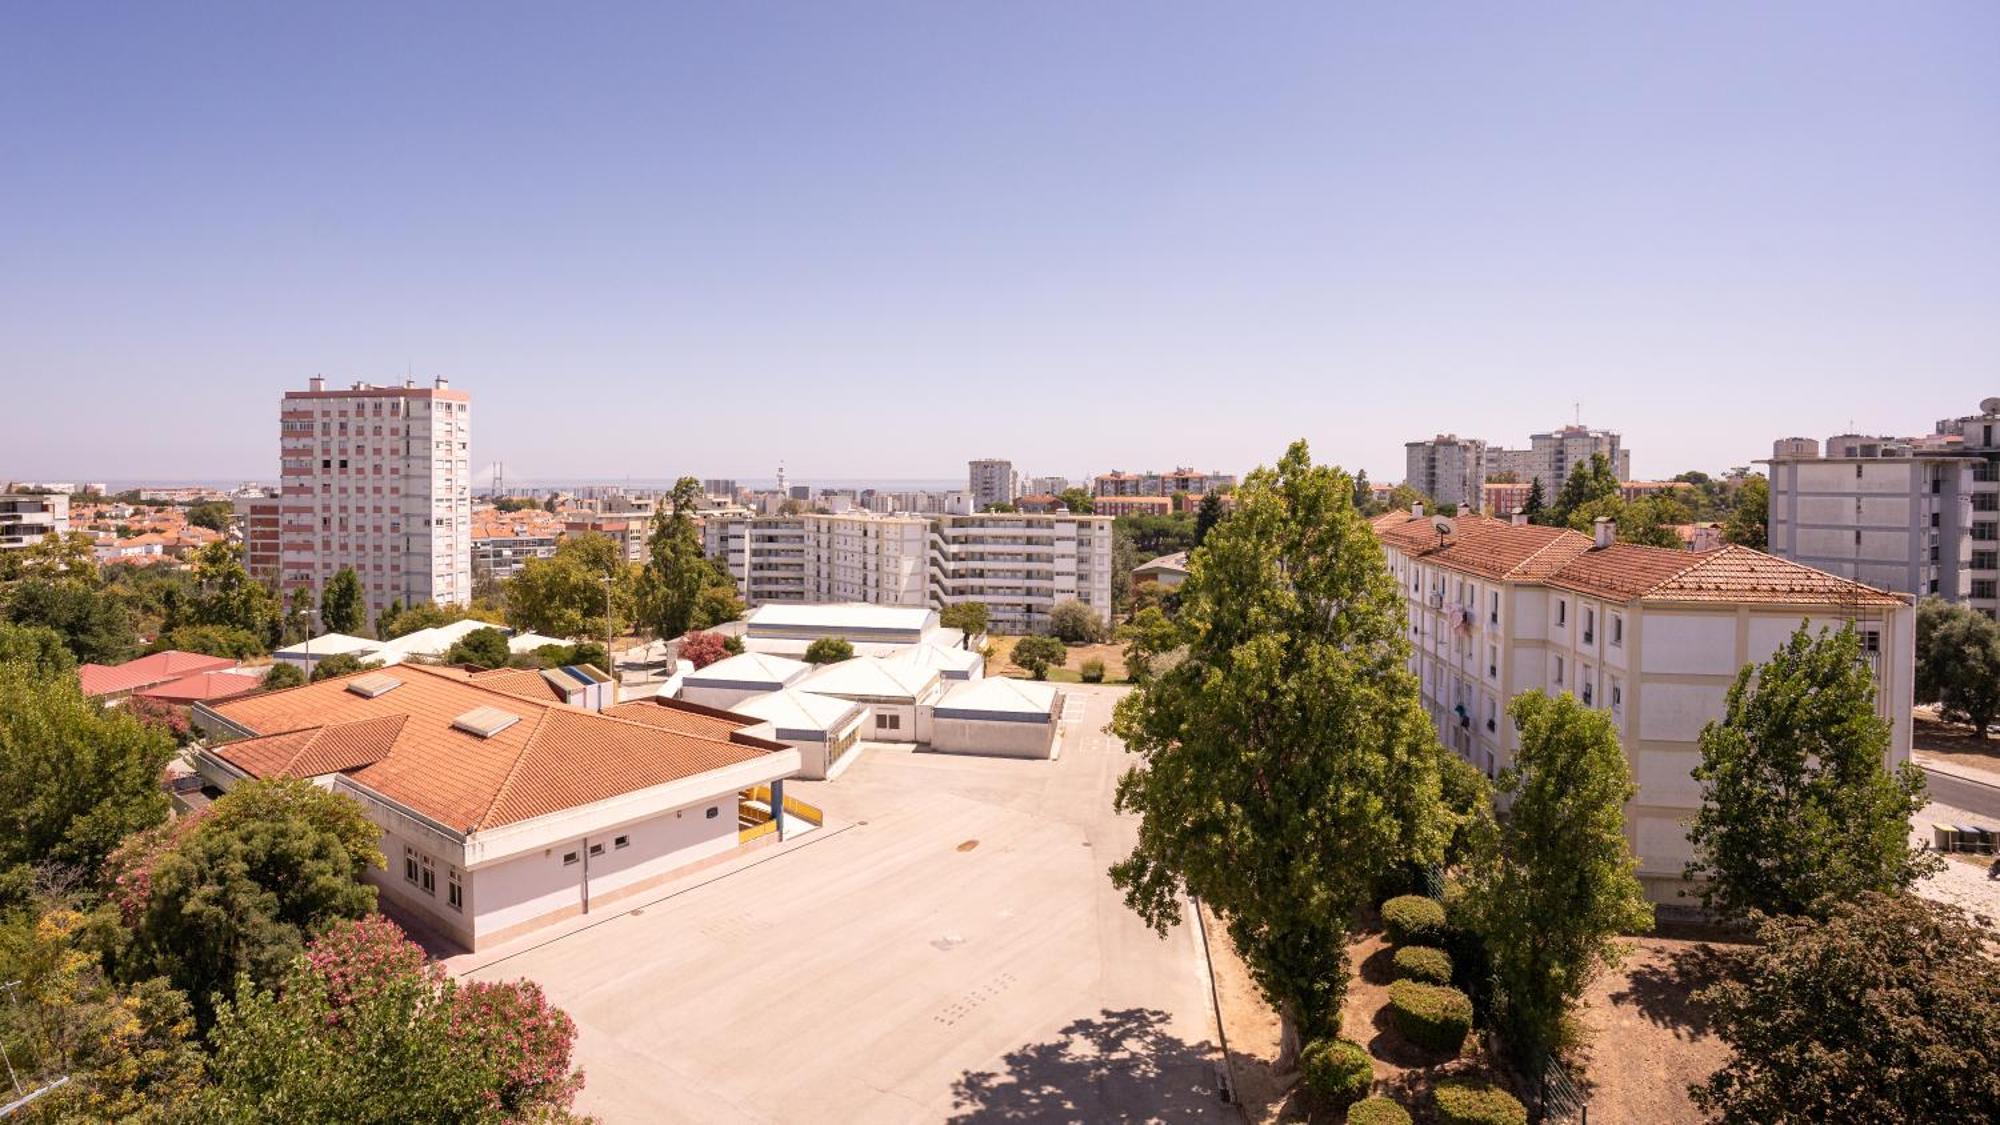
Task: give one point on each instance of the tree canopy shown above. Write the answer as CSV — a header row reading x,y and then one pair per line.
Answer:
x,y
967,617
342,606
1958,663
1286,759
563,595
485,648
1207,515
829,650
1077,500
1075,623
1797,804
1039,654
1749,520
675,572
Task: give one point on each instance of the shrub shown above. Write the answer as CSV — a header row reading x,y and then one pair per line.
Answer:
x,y
1074,623
829,650
1431,1015
1377,1111
1039,654
484,648
1336,1071
1423,963
1461,1102
1092,671
1413,920
282,676
702,649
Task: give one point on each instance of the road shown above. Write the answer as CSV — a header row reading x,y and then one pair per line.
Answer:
x,y
948,947
1962,793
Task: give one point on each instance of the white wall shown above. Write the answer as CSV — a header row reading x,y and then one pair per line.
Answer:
x,y
999,739
724,698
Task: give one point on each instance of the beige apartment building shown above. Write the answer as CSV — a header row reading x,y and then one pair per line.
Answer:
x,y
1654,637
28,518
375,478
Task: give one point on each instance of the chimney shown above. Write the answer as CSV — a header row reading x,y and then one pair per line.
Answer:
x,y
1417,510
441,383
317,383
1606,531
1519,519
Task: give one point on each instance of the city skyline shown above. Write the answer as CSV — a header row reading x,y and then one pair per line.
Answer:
x,y
1124,237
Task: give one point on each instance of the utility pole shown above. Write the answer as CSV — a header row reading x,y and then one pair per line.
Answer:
x,y
610,661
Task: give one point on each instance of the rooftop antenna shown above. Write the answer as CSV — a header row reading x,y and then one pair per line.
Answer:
x,y
1578,408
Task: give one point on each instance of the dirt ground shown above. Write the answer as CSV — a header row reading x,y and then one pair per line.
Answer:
x,y
1648,1039
1001,662
1953,743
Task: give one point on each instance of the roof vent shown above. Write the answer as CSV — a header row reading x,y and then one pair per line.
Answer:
x,y
485,721
373,684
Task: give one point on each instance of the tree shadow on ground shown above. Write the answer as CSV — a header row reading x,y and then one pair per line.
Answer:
x,y
1389,1045
1664,993
1119,1066
1380,966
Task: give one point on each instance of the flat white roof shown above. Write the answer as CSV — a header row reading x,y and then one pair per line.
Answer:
x,y
873,677
750,668
1000,695
790,710
331,644
939,657
843,615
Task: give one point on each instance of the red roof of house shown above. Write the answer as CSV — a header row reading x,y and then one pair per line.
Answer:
x,y
159,668
204,686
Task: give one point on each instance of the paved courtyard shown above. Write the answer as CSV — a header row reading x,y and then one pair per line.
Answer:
x,y
948,947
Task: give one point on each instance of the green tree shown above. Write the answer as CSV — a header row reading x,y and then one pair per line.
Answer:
x,y
211,640
238,891
1287,762
1888,1010
1552,896
226,595
1364,494
1586,483
363,1029
675,572
1404,498
1150,637
1077,500
211,514
75,777
298,625
967,617
564,594
342,606
486,648
96,629
340,664
1039,654
1750,519
829,650
282,676
1075,623
1536,504
40,648
1207,516
1958,663
1797,806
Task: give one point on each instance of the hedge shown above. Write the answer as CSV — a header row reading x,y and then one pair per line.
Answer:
x,y
1413,920
1430,1015
1337,1071
1423,963
1461,1102
1377,1111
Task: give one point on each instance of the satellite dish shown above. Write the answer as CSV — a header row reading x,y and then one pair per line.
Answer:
x,y
1443,525
1989,405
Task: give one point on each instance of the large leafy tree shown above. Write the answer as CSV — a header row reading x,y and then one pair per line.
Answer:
x,y
675,573
486,648
342,607
227,596
564,595
1586,483
1798,806
967,617
1958,663
95,627
239,890
1077,500
75,778
1286,759
1749,522
1552,896
37,646
1535,507
1887,1010
362,1029
1207,515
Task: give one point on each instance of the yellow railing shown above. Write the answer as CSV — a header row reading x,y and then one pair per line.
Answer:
x,y
745,835
808,813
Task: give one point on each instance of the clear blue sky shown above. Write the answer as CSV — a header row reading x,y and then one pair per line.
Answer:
x,y
874,240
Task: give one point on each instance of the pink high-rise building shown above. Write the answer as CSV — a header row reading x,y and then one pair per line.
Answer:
x,y
377,478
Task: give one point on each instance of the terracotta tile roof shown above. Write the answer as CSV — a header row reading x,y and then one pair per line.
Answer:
x,y
555,758
1487,547
526,683
1627,571
159,668
680,715
204,685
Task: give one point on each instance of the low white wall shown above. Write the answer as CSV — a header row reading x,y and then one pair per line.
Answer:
x,y
1000,739
724,698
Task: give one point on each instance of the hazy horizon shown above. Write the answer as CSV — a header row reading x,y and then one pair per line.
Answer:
x,y
873,241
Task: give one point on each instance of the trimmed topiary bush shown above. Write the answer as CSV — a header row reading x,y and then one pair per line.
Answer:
x,y
1423,963
1413,920
1336,1071
1430,1015
1377,1111
1461,1102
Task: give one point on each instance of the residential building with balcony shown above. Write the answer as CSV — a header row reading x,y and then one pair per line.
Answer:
x,y
1448,469
1654,637
27,518
992,481
504,542
1190,481
375,478
261,520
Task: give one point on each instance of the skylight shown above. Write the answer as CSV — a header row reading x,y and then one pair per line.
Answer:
x,y
485,722
373,684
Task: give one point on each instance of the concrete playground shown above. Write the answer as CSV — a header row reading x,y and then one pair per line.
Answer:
x,y
947,948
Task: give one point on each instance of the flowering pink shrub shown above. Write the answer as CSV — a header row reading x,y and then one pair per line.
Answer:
x,y
161,715
359,959
524,1036
702,649
128,870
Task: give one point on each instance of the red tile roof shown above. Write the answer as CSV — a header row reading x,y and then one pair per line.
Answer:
x,y
555,758
1487,547
202,686
159,668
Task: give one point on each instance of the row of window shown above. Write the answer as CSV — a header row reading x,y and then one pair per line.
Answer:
x,y
419,872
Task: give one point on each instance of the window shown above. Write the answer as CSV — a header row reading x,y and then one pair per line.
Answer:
x,y
620,841
1493,608
1983,587
1589,625
1857,470
1492,662
888,722
1617,696
597,849
409,865
454,895
1871,641
713,812
1562,613
570,858
1559,671
1617,629
429,881
1585,677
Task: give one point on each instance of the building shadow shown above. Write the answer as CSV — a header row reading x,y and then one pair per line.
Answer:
x,y
1663,993
1120,1066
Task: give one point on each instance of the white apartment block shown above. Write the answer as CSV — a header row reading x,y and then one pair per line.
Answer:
x,y
1190,481
992,481
1918,516
1019,564
27,518
1552,455
375,478
1653,637
1448,469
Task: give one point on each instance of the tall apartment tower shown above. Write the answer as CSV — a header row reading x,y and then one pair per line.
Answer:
x,y
376,478
1555,453
1448,469
991,481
